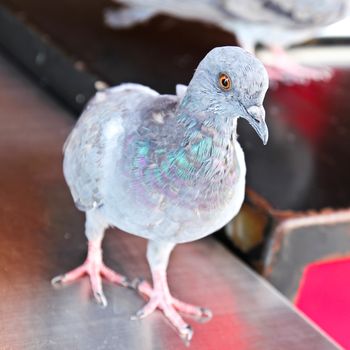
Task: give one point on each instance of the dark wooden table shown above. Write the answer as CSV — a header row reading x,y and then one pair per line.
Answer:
x,y
41,235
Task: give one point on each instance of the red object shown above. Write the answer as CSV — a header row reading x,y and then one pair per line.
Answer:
x,y
324,296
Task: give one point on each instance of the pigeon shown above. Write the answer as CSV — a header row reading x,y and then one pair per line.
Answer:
x,y
276,24
167,168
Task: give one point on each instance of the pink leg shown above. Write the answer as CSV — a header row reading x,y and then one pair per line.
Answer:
x,y
95,268
159,297
285,69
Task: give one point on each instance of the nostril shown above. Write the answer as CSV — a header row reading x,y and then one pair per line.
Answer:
x,y
257,113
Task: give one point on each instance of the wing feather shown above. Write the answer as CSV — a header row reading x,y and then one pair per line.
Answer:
x,y
87,146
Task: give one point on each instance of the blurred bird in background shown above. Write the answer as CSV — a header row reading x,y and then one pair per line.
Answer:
x,y
276,24
164,167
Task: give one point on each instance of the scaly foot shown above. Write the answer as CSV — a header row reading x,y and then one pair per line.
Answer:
x,y
284,69
95,268
159,297
296,74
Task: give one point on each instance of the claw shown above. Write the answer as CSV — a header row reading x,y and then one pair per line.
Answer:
x,y
138,316
206,315
100,299
58,280
135,283
126,283
186,334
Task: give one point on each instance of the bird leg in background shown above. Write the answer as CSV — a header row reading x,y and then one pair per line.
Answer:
x,y
283,68
159,297
279,65
95,268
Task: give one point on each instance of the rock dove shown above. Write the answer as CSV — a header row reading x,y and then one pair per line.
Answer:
x,y
276,24
164,167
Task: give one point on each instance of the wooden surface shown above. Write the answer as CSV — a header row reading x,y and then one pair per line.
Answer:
x,y
41,235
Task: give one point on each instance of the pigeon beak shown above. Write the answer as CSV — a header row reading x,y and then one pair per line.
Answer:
x,y
256,118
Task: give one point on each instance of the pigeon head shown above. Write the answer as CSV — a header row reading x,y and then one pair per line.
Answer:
x,y
230,83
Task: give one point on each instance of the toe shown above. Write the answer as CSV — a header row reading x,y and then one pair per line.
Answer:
x,y
96,286
200,313
69,276
114,277
147,309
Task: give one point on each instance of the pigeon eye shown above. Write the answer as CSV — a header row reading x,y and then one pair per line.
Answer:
x,y
224,82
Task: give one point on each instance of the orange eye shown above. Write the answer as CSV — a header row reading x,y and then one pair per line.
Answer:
x,y
224,82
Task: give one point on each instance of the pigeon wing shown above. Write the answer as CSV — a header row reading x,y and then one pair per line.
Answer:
x,y
87,146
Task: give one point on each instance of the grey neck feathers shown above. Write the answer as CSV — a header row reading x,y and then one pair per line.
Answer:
x,y
205,119
209,137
